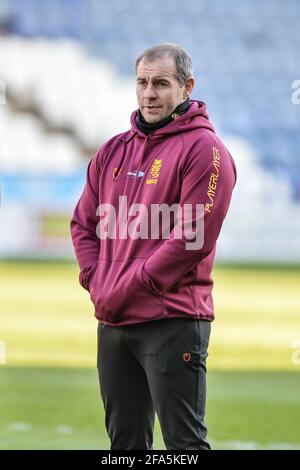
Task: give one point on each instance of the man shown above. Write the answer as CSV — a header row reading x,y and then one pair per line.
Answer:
x,y
150,285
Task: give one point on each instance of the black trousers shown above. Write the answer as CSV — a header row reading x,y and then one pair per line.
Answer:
x,y
157,366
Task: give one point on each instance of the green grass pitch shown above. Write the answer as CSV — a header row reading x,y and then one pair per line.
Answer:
x,y
48,385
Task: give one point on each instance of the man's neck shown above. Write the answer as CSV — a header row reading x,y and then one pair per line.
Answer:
x,y
147,127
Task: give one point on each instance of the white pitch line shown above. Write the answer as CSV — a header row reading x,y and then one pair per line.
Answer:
x,y
62,429
17,426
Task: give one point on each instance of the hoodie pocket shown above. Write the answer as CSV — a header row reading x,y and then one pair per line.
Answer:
x,y
120,296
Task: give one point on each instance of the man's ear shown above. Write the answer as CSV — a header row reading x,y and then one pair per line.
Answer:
x,y
188,87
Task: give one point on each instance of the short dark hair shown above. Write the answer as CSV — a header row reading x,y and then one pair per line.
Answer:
x,y
183,62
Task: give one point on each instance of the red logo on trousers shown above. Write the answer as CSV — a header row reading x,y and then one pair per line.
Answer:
x,y
186,357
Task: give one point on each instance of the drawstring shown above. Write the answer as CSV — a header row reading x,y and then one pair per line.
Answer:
x,y
116,173
138,166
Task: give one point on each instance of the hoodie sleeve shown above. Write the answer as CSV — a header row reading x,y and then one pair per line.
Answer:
x,y
83,224
208,178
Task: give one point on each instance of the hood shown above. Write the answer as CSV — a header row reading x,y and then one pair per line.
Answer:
x,y
196,117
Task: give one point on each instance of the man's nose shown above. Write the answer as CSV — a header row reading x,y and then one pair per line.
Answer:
x,y
149,92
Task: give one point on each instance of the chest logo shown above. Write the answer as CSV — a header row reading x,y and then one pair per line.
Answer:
x,y
154,171
135,173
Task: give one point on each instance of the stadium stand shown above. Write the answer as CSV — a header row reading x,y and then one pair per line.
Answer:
x,y
68,66
245,54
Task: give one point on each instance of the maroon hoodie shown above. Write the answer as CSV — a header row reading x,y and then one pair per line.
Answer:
x,y
132,276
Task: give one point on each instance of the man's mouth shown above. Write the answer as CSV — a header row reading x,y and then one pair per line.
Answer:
x,y
151,108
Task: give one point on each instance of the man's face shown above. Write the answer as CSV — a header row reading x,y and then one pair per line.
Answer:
x,y
158,90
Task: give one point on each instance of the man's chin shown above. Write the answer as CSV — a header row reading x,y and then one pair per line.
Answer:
x,y
152,119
